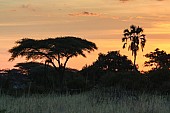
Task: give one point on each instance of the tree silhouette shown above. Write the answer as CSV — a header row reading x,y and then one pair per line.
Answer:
x,y
113,61
159,59
134,34
53,50
37,73
26,67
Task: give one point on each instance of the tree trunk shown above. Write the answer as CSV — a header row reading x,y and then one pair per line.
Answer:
x,y
61,71
47,81
61,79
134,64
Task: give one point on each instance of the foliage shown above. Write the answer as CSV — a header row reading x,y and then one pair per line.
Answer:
x,y
77,83
113,61
27,67
125,80
87,103
39,73
44,77
3,79
52,49
38,78
158,59
134,34
159,79
2,111
14,82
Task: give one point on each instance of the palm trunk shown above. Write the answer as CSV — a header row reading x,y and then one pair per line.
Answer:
x,y
134,63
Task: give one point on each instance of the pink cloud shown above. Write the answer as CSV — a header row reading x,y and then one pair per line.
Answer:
x,y
28,7
124,0
85,13
130,0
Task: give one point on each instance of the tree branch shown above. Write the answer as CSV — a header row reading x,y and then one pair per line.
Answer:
x,y
66,61
50,60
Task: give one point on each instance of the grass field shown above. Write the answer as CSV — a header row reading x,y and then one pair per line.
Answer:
x,y
88,102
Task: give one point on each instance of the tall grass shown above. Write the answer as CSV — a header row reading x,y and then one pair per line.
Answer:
x,y
89,102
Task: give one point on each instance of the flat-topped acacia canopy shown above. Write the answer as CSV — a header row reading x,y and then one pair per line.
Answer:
x,y
51,47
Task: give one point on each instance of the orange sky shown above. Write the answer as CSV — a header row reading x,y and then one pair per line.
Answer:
x,y
100,21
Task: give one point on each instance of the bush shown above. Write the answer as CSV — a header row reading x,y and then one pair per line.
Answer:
x,y
78,82
2,111
128,80
160,79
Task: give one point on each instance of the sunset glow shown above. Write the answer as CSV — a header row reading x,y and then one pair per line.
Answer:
x,y
99,21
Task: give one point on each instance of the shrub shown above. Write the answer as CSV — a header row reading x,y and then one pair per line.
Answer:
x,y
3,111
128,80
78,82
160,79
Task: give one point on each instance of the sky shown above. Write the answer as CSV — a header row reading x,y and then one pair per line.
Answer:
x,y
99,21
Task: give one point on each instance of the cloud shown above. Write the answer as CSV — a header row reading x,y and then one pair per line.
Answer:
x,y
124,0
13,10
115,17
130,0
147,18
28,7
25,6
85,13
100,15
155,18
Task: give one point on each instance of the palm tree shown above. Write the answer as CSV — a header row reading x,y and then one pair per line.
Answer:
x,y
134,34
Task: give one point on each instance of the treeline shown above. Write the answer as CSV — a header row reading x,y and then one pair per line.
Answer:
x,y
109,70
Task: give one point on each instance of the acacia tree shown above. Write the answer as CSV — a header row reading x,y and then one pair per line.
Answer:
x,y
159,59
52,50
136,38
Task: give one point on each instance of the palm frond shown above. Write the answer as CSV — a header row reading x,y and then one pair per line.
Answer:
x,y
126,31
124,39
124,45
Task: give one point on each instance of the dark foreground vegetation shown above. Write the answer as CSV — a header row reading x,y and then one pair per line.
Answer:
x,y
105,100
